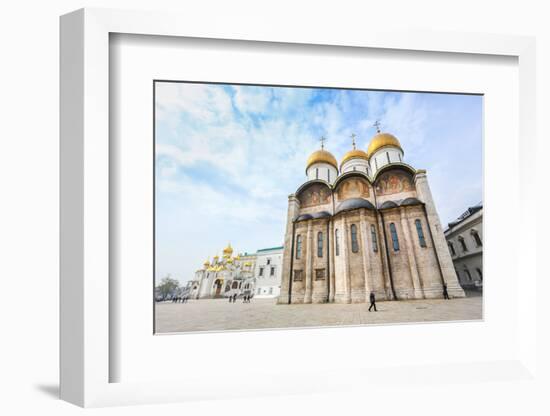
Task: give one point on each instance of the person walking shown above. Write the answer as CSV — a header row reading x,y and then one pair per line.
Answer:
x,y
445,293
234,297
230,298
372,302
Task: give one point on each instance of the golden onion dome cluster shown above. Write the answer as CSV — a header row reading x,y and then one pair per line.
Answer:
x,y
379,141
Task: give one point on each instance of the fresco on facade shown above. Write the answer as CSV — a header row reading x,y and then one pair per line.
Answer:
x,y
353,188
394,182
316,194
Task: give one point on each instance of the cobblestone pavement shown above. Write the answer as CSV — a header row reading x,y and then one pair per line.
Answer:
x,y
220,315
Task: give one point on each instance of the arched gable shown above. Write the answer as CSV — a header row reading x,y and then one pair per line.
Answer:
x,y
394,179
352,185
313,193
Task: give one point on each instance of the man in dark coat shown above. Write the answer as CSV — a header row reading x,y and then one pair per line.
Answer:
x,y
445,293
372,302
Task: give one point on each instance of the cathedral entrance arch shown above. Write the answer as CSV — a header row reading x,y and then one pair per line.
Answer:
x,y
218,288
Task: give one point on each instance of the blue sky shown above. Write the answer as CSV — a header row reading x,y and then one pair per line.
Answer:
x,y
228,156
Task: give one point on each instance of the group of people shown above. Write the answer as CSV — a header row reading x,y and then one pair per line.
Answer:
x,y
233,298
182,299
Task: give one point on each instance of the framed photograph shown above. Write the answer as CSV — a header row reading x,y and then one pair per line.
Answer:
x,y
357,228
283,203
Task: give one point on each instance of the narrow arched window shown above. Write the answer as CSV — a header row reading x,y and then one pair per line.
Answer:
x,y
319,244
420,233
316,173
468,273
354,243
328,175
298,246
476,237
388,156
374,238
394,238
452,248
462,243
480,274
336,242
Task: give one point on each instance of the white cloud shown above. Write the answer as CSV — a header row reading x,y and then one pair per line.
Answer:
x,y
250,99
205,103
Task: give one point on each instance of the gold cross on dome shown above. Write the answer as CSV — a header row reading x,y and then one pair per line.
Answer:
x,y
377,125
353,136
322,140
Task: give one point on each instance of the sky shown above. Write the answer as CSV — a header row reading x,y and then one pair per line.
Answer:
x,y
228,156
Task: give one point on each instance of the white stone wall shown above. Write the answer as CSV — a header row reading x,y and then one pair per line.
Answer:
x,y
268,285
380,158
356,164
322,171
468,263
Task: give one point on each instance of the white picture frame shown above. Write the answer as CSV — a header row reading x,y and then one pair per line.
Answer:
x,y
85,221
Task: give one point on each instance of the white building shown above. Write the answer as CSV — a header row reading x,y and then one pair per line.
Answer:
x,y
269,263
465,240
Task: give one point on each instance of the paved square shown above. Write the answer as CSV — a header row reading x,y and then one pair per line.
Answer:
x,y
220,315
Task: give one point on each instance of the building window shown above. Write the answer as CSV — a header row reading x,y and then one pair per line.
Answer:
x,y
298,275
374,238
354,168
328,175
235,285
394,239
319,274
420,233
268,261
336,242
298,247
272,271
319,244
354,243
476,237
462,244
388,156
452,248
399,154
468,273
480,274
261,273
376,163
270,290
316,173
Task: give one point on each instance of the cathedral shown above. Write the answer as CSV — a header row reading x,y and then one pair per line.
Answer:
x,y
366,225
224,277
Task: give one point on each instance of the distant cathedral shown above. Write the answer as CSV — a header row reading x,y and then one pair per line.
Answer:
x,y
368,225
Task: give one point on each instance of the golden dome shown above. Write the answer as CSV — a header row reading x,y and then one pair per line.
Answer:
x,y
381,140
228,250
206,263
354,154
322,156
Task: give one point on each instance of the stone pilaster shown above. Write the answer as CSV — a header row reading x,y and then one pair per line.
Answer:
x,y
440,244
332,262
417,288
365,252
286,273
309,263
382,250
